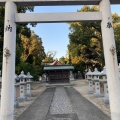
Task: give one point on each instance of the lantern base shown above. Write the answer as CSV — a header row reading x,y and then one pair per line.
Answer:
x,y
106,100
20,99
98,95
16,104
90,91
29,94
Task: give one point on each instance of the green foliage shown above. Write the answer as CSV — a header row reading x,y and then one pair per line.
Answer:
x,y
29,49
64,60
116,26
85,42
49,58
31,53
33,50
27,67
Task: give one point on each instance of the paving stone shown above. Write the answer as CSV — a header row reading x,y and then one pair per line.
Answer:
x,y
61,103
72,116
61,107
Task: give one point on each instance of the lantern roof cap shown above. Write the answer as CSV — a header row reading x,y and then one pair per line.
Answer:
x,y
96,72
22,75
89,72
29,75
16,77
103,72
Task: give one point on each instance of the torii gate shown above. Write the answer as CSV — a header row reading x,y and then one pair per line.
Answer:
x,y
12,17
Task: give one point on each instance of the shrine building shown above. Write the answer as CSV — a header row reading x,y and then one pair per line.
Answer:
x,y
57,72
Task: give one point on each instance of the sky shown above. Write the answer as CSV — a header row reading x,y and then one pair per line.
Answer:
x,y
55,35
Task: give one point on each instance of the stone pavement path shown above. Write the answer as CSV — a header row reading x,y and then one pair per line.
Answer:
x,y
62,103
61,107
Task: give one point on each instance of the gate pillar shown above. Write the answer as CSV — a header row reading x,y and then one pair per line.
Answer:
x,y
8,74
110,59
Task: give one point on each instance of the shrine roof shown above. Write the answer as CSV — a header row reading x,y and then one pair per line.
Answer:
x,y
57,2
56,62
59,67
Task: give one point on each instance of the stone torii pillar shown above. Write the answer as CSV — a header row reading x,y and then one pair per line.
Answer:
x,y
8,74
110,59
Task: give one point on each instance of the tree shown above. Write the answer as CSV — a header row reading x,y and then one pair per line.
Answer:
x,y
116,26
62,60
28,55
85,46
20,28
32,54
33,50
49,57
86,41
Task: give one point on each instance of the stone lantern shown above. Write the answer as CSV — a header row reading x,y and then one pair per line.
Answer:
x,y
29,80
16,104
104,74
90,81
96,75
104,81
71,76
22,78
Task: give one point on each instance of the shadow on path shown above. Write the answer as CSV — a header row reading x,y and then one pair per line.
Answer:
x,y
39,108
84,108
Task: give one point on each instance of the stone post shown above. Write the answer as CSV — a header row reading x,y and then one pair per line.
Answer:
x,y
106,93
110,59
90,82
97,89
22,86
8,73
104,82
96,75
90,89
28,92
71,76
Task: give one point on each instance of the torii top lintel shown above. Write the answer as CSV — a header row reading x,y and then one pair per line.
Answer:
x,y
56,2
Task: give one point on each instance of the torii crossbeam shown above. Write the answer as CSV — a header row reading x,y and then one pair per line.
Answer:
x,y
57,2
